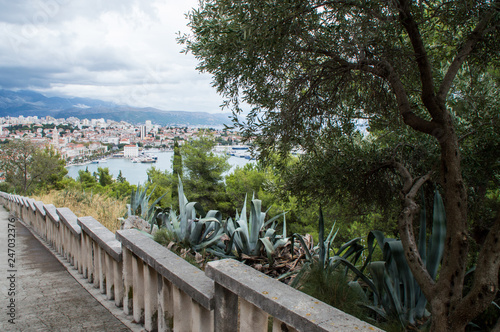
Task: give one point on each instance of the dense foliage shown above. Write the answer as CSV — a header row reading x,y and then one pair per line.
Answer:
x,y
263,241
29,168
203,171
421,76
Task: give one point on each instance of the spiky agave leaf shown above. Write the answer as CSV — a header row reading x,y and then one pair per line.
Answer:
x,y
322,250
245,232
153,212
189,227
436,242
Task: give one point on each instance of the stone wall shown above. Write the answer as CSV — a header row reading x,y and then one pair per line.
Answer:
x,y
163,292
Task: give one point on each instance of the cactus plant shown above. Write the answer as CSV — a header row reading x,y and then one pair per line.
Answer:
x,y
395,291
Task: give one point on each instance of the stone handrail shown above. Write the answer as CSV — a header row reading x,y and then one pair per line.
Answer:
x,y
52,226
165,284
163,292
101,259
70,233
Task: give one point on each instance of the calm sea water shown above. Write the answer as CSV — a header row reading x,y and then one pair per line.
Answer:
x,y
136,173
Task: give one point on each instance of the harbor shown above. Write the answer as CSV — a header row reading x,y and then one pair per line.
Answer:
x,y
136,172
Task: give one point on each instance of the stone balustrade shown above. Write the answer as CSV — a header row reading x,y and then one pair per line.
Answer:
x,y
40,224
167,291
70,233
52,225
163,292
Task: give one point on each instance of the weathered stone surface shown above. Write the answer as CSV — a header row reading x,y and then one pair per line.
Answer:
x,y
47,297
70,220
289,305
183,275
51,212
226,309
40,208
31,203
137,223
103,236
25,202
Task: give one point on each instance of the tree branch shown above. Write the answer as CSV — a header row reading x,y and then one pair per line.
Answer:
x,y
462,54
405,222
424,66
405,174
419,183
409,117
384,70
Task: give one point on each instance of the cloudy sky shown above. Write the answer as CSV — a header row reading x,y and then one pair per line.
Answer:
x,y
123,51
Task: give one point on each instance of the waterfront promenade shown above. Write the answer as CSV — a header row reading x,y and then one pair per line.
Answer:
x,y
38,293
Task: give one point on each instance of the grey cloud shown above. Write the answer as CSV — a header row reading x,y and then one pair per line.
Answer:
x,y
109,49
25,77
55,11
99,59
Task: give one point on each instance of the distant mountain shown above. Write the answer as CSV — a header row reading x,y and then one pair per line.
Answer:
x,y
30,103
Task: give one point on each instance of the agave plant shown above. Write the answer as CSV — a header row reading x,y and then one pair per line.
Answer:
x,y
249,235
392,287
188,229
139,205
322,257
395,291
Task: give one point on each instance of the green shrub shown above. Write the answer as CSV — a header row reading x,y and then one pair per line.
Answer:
x,y
163,236
332,287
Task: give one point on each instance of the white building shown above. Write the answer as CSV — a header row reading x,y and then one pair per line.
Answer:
x,y
97,147
130,151
112,140
144,131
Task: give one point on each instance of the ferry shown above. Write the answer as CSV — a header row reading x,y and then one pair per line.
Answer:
x,y
145,159
148,160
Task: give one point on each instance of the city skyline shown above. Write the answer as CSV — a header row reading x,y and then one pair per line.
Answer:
x,y
84,138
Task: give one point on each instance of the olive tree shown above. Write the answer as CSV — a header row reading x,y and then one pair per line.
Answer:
x,y
312,69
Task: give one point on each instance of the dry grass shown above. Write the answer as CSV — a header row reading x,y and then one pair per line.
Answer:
x,y
104,209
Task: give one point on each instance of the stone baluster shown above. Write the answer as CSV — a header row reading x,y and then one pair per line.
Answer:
x,y
102,259
182,299
71,236
53,219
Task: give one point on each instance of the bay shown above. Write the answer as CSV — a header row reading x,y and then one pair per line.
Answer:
x,y
136,173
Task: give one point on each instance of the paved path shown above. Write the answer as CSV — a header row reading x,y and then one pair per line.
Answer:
x,y
46,296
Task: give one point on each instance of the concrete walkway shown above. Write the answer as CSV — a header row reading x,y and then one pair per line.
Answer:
x,y
37,291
